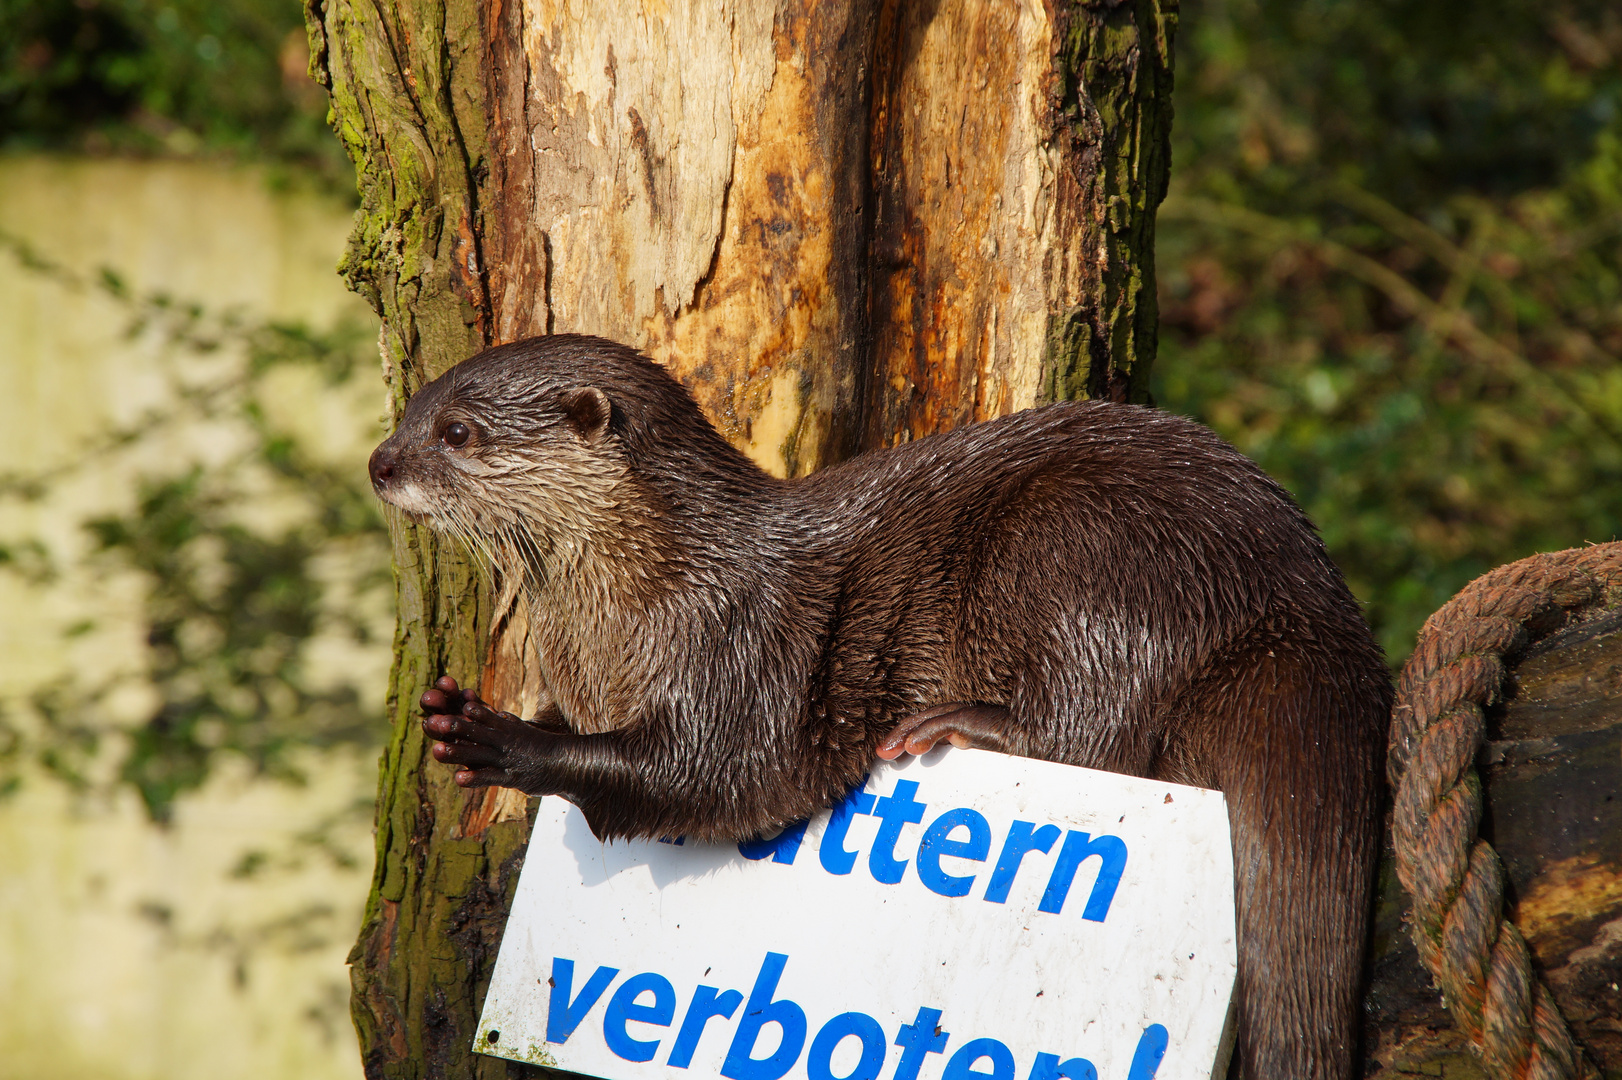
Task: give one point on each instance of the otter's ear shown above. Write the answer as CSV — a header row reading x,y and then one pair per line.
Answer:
x,y
588,410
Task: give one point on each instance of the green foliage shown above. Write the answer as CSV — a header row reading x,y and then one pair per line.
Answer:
x,y
1391,272
234,600
168,76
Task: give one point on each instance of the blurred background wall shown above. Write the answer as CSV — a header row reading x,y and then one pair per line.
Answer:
x,y
159,921
1390,270
195,588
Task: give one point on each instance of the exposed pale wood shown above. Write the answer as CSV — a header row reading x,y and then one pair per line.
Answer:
x,y
720,184
696,190
966,240
1019,153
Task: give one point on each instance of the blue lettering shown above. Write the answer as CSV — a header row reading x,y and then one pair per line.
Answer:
x,y
562,1016
782,847
960,1066
1151,1048
922,1036
895,811
622,1008
707,1004
936,844
1020,842
819,1063
1048,1067
758,1012
835,859
1111,850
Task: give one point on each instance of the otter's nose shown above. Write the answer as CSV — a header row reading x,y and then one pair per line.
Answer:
x,y
382,467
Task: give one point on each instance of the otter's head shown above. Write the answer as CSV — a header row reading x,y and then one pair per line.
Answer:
x,y
522,446
562,443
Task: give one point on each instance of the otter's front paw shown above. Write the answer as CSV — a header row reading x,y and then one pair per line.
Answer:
x,y
486,746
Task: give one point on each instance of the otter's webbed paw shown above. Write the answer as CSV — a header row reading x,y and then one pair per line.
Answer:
x,y
486,746
980,727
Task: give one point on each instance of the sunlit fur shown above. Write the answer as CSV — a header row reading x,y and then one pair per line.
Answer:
x,y
1138,595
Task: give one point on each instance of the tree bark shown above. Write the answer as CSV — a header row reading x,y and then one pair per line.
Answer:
x,y
843,225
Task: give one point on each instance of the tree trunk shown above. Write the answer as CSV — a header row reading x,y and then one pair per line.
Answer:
x,y
842,225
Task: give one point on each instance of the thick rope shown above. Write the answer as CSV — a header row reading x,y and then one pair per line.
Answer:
x,y
1478,959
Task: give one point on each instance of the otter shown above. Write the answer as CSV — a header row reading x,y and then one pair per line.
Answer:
x,y
1098,584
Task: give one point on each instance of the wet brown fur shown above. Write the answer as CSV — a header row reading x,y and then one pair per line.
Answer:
x,y
725,650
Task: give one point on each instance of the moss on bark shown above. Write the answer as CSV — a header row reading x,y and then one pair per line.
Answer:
x,y
407,100
1113,117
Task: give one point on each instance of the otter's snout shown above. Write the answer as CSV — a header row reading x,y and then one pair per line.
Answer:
x,y
383,463
396,473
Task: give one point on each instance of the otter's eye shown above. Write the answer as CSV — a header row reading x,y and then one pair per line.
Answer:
x,y
456,434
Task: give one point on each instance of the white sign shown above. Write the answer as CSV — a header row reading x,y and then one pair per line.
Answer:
x,y
965,916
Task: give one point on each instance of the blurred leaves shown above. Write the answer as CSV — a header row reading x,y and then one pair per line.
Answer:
x,y
165,76
1391,272
234,597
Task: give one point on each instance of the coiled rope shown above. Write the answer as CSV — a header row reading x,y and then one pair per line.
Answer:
x,y
1477,958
